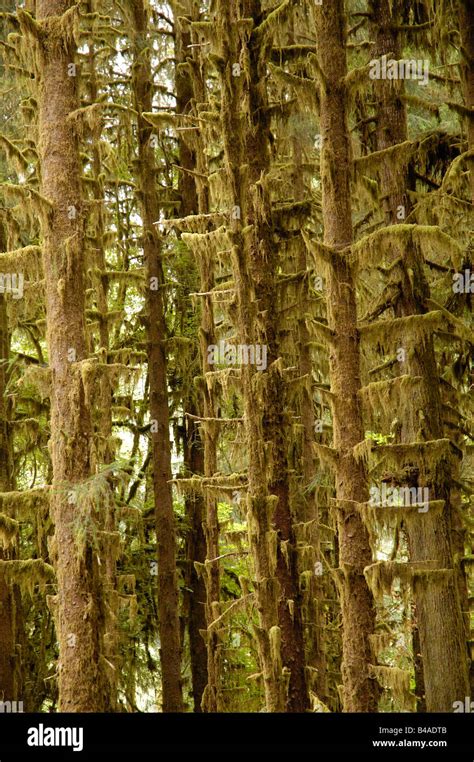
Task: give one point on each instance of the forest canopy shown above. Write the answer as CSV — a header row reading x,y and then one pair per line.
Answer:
x,y
236,355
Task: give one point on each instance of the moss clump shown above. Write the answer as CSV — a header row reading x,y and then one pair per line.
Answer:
x,y
8,530
28,574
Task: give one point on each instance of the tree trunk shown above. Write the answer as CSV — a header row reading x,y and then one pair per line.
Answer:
x,y
193,446
358,616
81,677
439,617
466,26
247,141
196,553
168,595
9,667
103,410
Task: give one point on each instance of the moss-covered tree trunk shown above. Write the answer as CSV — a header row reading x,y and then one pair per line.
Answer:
x,y
466,26
8,657
193,449
309,515
103,409
191,81
195,554
247,144
81,677
438,611
358,617
168,595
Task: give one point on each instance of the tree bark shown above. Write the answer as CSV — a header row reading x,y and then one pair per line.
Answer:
x,y
247,143
9,667
358,615
193,445
466,27
81,671
168,594
442,634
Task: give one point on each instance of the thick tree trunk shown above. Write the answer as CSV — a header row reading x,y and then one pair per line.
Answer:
x,y
358,616
81,678
439,616
168,595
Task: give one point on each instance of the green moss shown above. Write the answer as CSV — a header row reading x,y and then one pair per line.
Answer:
x,y
28,575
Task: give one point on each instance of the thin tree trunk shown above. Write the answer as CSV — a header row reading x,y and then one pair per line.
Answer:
x,y
191,82
103,434
310,513
358,615
196,553
193,446
8,656
168,595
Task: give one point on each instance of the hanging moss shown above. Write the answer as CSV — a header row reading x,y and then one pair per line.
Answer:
x,y
383,398
306,91
213,242
26,260
428,579
8,530
233,608
398,681
317,705
375,248
221,485
394,155
389,333
362,451
380,641
14,155
321,253
28,574
327,455
38,204
92,371
425,455
321,331
380,518
381,575
26,505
